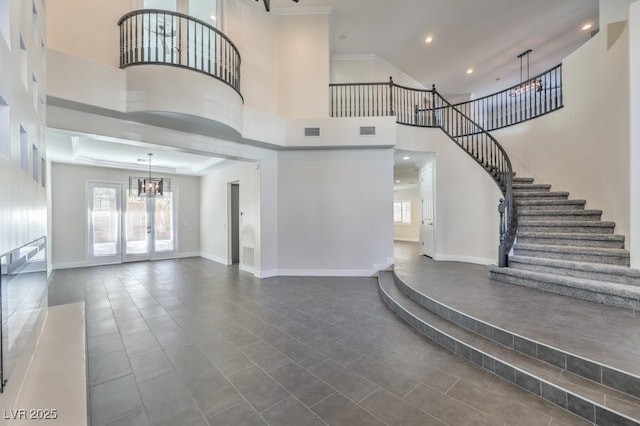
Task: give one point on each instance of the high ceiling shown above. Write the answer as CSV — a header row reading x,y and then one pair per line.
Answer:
x,y
485,35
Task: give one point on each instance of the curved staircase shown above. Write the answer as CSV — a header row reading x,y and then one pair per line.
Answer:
x,y
566,249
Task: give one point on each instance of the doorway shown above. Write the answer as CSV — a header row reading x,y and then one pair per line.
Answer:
x,y
149,227
124,228
427,195
234,222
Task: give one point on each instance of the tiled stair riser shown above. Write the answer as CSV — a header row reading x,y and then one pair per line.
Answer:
x,y
582,367
584,408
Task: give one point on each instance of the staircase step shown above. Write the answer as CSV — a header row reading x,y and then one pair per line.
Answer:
x,y
561,226
581,254
606,292
559,215
572,239
594,271
523,180
495,351
531,187
540,195
549,204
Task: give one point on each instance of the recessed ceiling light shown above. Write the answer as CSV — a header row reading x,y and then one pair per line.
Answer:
x,y
213,17
398,181
429,39
406,158
470,71
586,27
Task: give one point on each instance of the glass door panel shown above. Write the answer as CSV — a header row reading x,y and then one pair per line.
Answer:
x,y
164,239
136,226
104,223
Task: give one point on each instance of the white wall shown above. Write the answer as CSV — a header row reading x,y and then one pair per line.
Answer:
x,y
23,200
368,68
634,154
335,212
584,147
408,231
87,28
303,65
69,211
214,208
466,199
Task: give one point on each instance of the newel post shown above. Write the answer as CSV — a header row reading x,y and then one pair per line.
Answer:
x,y
502,248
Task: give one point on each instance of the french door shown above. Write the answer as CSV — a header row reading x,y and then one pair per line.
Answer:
x,y
149,231
124,228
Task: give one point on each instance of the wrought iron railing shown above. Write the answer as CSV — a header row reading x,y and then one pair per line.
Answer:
x,y
532,98
151,36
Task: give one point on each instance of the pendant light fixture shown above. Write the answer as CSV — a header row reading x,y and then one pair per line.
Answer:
x,y
148,186
527,85
267,4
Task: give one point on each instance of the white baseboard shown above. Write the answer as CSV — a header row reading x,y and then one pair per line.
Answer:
x,y
326,272
215,258
408,240
465,259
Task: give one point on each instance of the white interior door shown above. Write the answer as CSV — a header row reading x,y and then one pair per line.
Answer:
x,y
427,194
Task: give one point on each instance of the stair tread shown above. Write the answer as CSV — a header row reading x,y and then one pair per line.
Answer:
x,y
518,193
575,264
571,236
573,249
594,223
531,185
559,212
549,202
607,287
584,388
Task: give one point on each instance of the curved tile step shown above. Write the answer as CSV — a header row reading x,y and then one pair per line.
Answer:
x,y
540,378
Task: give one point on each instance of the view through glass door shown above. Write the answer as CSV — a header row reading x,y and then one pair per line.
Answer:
x,y
123,228
149,230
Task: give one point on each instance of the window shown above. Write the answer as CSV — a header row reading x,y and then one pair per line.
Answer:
x,y
5,134
24,149
402,211
34,156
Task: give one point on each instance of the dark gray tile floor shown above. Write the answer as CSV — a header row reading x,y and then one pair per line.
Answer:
x,y
191,342
594,331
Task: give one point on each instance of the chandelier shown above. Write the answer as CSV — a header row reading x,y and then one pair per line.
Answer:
x,y
528,85
267,4
148,186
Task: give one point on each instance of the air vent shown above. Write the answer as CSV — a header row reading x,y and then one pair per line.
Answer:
x,y
367,130
312,131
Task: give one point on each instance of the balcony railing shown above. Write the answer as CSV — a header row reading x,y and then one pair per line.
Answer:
x,y
418,107
151,36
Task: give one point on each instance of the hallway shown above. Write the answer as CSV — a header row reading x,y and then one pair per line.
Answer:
x,y
193,342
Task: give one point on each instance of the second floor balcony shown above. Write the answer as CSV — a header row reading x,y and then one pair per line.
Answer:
x,y
152,36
